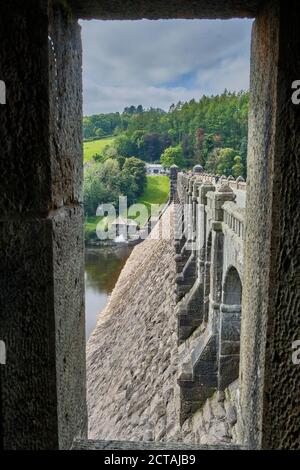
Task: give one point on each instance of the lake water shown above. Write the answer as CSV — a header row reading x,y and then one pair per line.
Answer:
x,y
102,268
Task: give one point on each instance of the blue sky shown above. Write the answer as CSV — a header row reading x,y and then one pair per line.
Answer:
x,y
157,63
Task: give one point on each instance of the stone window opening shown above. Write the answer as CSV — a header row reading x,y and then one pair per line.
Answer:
x,y
40,222
232,291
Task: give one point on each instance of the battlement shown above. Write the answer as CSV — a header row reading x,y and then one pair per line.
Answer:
x,y
210,225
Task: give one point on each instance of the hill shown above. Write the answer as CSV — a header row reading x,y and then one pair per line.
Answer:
x,y
202,129
94,147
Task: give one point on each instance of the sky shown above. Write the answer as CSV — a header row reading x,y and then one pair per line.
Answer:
x,y
157,63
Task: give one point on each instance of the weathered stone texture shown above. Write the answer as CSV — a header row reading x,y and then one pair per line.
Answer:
x,y
43,111
155,9
269,379
132,358
26,317
65,61
282,377
25,166
132,354
131,445
258,216
68,266
215,422
42,389
45,321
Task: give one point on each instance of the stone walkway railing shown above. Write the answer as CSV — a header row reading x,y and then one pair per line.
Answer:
x,y
210,211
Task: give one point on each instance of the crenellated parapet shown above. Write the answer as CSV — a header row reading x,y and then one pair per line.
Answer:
x,y
209,215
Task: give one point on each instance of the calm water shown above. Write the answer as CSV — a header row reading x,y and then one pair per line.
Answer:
x,y
102,268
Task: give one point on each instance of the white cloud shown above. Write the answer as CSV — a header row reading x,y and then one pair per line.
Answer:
x,y
155,63
232,74
113,98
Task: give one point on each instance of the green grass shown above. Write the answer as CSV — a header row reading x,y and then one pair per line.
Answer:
x,y
95,146
91,225
156,192
90,228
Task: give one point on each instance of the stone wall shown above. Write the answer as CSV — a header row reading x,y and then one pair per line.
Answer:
x,y
133,359
132,354
155,9
42,384
216,421
41,228
209,258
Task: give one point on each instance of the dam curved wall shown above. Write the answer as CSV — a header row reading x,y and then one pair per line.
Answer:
x,y
132,355
156,366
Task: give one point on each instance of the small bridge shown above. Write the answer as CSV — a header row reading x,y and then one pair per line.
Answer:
x,y
209,236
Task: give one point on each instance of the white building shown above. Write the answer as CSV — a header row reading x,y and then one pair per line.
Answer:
x,y
155,169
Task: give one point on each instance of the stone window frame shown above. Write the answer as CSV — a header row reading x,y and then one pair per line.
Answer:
x,y
41,202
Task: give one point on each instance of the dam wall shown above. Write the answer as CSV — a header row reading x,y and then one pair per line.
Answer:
x,y
162,362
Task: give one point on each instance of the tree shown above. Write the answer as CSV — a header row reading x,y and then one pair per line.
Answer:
x,y
125,146
238,168
186,149
199,140
128,186
212,161
99,133
101,184
172,156
226,161
136,167
200,127
243,154
94,190
150,147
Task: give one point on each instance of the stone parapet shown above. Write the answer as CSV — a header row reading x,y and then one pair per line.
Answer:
x,y
208,286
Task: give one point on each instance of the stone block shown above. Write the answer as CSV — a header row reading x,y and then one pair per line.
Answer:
x,y
41,131
229,348
231,414
42,323
68,281
222,9
230,330
27,327
205,371
228,370
217,409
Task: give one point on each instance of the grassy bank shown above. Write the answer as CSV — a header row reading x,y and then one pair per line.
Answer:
x,y
95,147
156,192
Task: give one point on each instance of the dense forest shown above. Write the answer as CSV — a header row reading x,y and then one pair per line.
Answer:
x,y
211,132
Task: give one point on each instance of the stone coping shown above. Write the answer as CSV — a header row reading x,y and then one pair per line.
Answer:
x,y
130,445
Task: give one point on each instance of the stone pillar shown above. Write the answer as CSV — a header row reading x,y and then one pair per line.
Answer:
x,y
41,228
229,345
216,274
271,294
202,202
173,181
